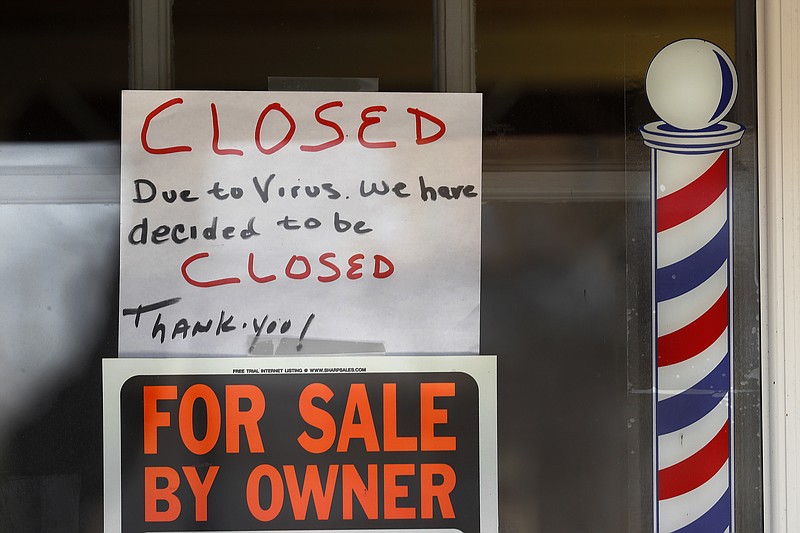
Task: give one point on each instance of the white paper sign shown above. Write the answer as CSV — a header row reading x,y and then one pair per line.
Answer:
x,y
337,216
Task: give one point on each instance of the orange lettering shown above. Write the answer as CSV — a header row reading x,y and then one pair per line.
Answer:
x,y
200,489
353,485
153,494
441,492
358,401
186,419
153,418
391,442
316,417
312,486
392,491
431,417
253,499
236,418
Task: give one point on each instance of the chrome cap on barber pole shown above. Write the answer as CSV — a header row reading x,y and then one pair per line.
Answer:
x,y
692,84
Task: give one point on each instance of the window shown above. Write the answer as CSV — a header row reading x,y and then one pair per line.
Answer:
x,y
566,276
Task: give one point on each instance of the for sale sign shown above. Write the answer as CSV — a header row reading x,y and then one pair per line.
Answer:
x,y
301,444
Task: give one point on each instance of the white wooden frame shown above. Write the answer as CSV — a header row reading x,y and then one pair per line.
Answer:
x,y
779,184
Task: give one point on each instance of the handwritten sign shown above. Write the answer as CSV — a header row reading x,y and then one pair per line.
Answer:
x,y
352,217
301,444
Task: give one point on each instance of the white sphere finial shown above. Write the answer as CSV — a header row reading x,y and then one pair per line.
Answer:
x,y
691,84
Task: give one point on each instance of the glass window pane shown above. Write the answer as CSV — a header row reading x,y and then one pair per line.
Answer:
x,y
568,226
566,273
567,70
239,44
553,308
64,64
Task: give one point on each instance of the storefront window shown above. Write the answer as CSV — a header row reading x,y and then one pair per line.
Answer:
x,y
566,283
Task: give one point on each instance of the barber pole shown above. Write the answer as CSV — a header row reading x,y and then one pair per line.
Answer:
x,y
691,85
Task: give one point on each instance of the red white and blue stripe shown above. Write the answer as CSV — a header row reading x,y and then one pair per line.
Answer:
x,y
693,342
691,85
